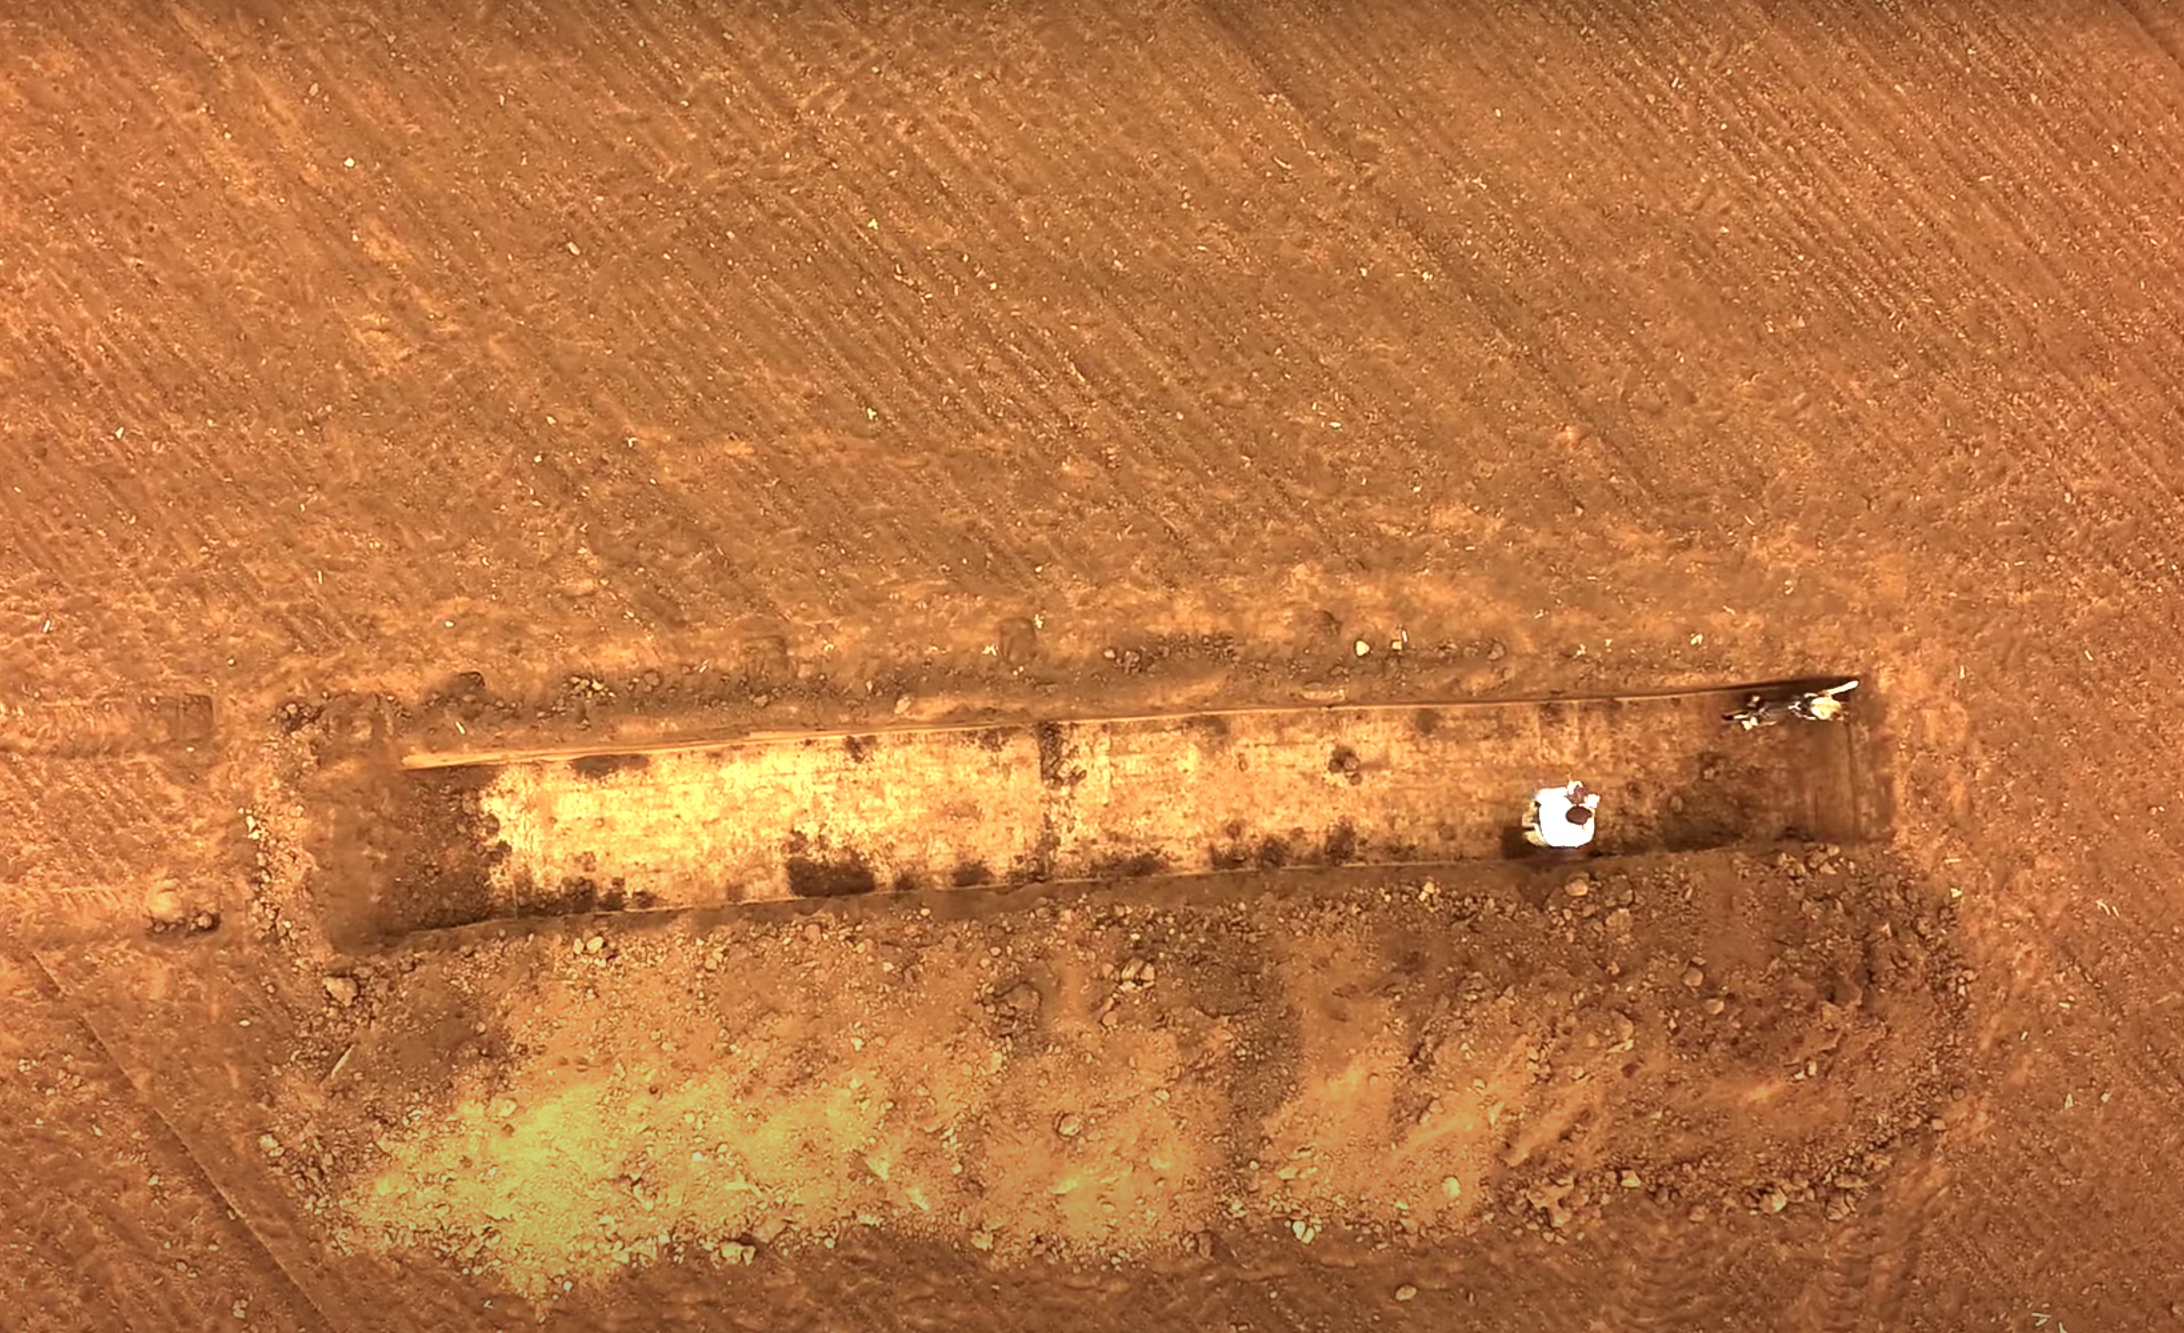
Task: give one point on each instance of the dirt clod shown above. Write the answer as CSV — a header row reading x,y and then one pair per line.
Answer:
x,y
166,908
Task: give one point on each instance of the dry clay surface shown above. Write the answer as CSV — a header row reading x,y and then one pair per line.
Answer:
x,y
534,376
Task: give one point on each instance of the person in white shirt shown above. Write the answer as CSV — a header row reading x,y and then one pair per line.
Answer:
x,y
1561,817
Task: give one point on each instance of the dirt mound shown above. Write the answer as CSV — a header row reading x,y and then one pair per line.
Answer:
x,y
1100,1078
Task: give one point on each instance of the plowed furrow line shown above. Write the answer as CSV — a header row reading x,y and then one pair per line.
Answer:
x,y
1517,333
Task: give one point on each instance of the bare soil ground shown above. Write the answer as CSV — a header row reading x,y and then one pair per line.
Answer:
x,y
416,380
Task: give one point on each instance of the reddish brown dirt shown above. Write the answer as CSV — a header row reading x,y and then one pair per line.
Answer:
x,y
545,372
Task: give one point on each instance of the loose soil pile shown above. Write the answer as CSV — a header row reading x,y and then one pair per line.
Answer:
x,y
1094,1079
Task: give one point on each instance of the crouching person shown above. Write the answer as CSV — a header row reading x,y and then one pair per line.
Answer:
x,y
1561,818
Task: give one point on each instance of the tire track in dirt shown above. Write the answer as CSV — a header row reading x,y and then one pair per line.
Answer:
x,y
112,1221
2029,252
2091,199
2160,30
1309,80
902,403
313,235
1027,369
1352,385
1863,1278
774,346
1651,1283
94,835
137,356
1759,140
1975,267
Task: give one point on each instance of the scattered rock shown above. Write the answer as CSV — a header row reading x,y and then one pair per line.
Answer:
x,y
1362,648
1579,887
1020,1001
1694,977
341,990
1070,1125
1406,1292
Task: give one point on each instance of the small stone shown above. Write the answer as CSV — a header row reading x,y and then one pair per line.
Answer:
x,y
341,990
903,705
595,944
166,908
1406,1292
1070,1125
205,921
1579,887
270,1145
1362,648
1452,1189
1631,1180
1776,1201
1716,1005
1694,977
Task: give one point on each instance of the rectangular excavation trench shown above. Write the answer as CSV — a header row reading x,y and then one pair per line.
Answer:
x,y
822,815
